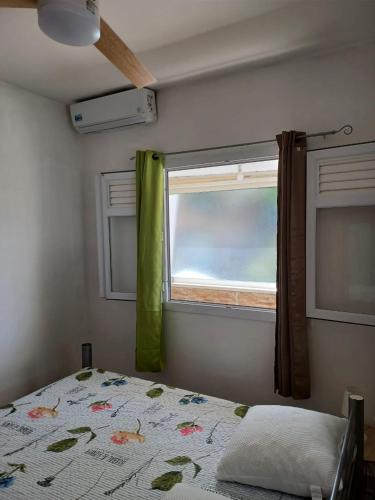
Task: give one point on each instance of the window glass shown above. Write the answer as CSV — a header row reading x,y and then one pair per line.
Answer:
x,y
222,223
345,242
123,245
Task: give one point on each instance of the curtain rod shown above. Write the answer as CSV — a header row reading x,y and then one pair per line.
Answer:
x,y
347,129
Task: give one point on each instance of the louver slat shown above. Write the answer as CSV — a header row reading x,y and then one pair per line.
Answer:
x,y
350,175
122,194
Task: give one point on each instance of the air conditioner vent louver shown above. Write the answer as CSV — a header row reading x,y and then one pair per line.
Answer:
x,y
122,194
353,174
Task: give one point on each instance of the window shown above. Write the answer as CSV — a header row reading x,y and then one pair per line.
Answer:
x,y
221,228
341,234
117,235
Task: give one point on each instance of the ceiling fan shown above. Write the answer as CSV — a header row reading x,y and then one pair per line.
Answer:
x,y
77,22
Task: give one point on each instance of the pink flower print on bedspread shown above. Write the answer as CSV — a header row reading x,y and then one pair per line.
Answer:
x,y
123,437
43,411
188,428
100,406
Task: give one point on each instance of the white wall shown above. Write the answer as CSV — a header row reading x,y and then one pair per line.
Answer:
x,y
42,294
233,358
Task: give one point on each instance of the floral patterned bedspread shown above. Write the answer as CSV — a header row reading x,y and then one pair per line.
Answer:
x,y
98,434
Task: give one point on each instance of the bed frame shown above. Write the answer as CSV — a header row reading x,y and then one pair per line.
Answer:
x,y
349,478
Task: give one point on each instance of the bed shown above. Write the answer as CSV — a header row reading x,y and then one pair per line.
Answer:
x,y
96,433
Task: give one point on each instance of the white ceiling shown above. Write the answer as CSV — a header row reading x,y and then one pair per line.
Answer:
x,y
179,39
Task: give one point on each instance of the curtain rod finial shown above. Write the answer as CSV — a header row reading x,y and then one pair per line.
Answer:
x,y
347,129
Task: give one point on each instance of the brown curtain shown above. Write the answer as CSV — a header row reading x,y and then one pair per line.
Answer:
x,y
292,375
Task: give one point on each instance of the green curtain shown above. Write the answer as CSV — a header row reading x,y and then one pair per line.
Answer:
x,y
150,221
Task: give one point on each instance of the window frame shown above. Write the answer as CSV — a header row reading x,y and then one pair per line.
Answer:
x,y
316,200
103,214
209,158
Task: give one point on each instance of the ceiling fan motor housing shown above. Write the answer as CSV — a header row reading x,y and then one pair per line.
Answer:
x,y
72,22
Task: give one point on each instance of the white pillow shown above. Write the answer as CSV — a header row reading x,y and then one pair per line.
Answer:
x,y
186,492
285,449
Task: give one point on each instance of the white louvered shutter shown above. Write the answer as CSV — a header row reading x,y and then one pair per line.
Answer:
x,y
340,234
117,235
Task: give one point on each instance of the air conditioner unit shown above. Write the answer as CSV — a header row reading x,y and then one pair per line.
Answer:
x,y
112,111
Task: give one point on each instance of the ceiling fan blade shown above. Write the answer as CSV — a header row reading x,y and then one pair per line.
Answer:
x,y
122,57
19,4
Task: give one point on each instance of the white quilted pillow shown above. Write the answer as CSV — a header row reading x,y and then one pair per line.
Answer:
x,y
285,449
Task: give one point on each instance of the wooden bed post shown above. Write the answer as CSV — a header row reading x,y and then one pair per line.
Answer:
x,y
356,405
87,355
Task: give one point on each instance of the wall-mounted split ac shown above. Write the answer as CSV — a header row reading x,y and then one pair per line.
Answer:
x,y
117,110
